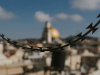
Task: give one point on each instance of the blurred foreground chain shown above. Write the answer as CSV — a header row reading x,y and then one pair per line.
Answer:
x,y
59,46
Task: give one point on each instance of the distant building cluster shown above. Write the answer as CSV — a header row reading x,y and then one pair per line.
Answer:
x,y
83,58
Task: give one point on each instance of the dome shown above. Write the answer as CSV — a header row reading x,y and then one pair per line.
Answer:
x,y
54,33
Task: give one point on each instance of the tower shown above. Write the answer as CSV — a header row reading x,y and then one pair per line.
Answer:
x,y
50,34
1,47
47,34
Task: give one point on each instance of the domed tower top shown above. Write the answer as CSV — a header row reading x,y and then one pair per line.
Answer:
x,y
50,33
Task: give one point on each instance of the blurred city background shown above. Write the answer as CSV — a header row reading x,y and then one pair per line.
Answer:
x,y
47,23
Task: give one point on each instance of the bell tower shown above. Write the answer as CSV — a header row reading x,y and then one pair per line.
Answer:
x,y
49,38
47,35
50,34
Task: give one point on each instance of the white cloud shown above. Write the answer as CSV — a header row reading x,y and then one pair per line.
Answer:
x,y
62,16
5,15
42,17
76,18
86,4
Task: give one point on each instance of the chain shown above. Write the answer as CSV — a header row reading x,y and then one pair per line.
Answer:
x,y
59,46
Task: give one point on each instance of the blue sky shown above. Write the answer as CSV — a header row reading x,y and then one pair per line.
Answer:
x,y
26,18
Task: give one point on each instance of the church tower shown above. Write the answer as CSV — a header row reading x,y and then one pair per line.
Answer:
x,y
47,34
50,34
